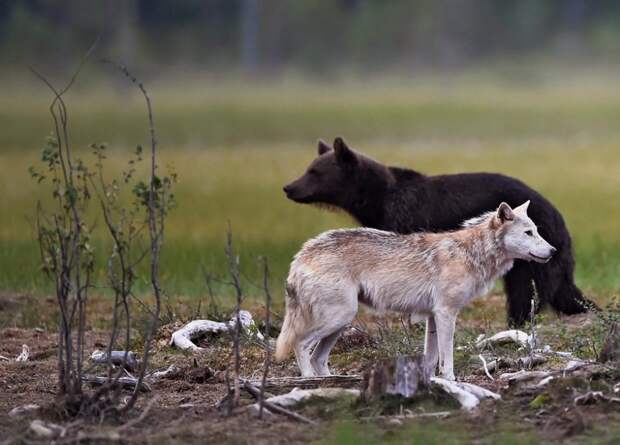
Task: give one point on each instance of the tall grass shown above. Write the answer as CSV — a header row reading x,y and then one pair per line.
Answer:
x,y
235,148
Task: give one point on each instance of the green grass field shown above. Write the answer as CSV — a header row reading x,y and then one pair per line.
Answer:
x,y
234,147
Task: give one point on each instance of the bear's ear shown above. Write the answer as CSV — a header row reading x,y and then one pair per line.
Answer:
x,y
505,213
344,155
323,148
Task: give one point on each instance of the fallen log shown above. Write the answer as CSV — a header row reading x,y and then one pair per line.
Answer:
x,y
523,375
309,382
123,382
126,359
182,338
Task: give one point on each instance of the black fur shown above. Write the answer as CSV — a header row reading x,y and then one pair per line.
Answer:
x,y
405,201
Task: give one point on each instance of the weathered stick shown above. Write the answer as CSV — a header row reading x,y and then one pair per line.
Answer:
x,y
273,407
468,395
170,371
593,397
124,382
437,415
267,348
182,338
23,357
126,359
298,396
504,362
510,336
233,263
23,409
531,360
484,365
522,375
309,382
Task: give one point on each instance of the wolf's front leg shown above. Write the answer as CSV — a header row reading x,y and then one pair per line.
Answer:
x,y
445,321
431,354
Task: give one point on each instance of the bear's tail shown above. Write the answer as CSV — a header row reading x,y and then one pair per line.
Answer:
x,y
293,326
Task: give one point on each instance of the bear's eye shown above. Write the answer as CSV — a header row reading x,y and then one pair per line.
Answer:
x,y
313,172
529,233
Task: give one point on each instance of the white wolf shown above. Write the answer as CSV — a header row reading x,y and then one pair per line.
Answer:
x,y
432,275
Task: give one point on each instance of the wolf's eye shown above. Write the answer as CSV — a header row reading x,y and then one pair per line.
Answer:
x,y
529,233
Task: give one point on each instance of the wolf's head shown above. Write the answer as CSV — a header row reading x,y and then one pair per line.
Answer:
x,y
520,235
338,176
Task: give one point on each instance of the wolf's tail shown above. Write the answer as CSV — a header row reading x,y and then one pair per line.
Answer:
x,y
293,326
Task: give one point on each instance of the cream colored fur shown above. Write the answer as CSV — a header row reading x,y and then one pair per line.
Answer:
x,y
432,275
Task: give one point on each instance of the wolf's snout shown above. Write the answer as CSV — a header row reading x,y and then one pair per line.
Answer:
x,y
552,251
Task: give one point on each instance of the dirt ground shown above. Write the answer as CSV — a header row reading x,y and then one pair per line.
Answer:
x,y
185,409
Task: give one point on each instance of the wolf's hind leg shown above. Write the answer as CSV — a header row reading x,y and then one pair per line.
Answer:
x,y
431,352
334,322
302,354
321,352
446,321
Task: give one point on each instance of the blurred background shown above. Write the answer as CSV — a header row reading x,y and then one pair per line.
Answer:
x,y
243,89
363,38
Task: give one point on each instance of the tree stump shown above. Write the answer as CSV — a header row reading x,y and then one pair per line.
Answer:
x,y
400,376
409,378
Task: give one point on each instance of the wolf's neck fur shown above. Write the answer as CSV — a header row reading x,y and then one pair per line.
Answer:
x,y
484,249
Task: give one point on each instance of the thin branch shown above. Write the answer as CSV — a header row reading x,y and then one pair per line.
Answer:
x,y
267,327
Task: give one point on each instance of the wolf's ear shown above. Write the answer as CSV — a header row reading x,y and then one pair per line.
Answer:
x,y
522,209
505,213
323,147
344,155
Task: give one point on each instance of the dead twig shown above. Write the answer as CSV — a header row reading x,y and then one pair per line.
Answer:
x,y
233,266
267,326
486,369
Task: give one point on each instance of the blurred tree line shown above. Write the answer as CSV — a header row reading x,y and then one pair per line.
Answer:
x,y
309,35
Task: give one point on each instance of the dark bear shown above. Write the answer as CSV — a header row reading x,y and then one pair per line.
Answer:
x,y
405,201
